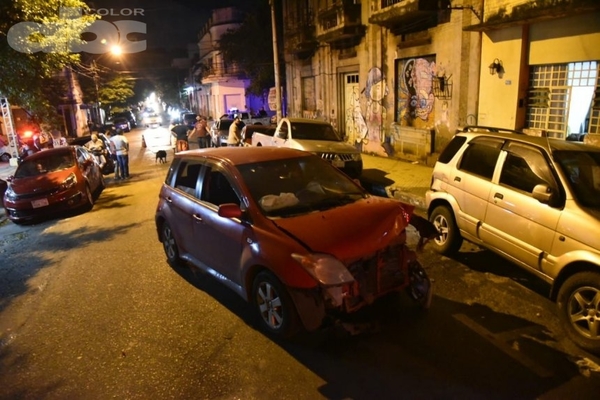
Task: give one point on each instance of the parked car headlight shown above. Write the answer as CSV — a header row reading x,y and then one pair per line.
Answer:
x,y
69,182
325,268
11,195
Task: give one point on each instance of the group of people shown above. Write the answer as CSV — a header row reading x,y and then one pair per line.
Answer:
x,y
183,134
200,132
119,150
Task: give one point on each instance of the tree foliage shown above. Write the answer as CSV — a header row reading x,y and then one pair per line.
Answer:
x,y
28,79
251,47
117,91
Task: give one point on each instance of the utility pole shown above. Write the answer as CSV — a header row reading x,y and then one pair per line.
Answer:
x,y
276,61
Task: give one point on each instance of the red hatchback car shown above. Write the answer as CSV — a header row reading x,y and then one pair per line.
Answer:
x,y
288,232
52,181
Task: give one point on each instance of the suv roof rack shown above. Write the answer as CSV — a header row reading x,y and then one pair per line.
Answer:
x,y
481,128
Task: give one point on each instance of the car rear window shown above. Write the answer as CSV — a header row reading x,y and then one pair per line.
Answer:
x,y
451,149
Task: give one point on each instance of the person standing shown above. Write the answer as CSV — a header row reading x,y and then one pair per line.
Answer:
x,y
200,133
235,132
181,135
112,153
122,150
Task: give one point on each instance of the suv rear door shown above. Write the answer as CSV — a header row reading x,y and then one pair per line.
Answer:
x,y
471,181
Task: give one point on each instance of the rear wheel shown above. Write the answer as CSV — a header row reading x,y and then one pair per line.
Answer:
x,y
89,197
5,157
276,312
579,310
449,240
170,245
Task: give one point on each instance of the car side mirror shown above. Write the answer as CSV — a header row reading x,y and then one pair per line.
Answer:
x,y
544,194
230,210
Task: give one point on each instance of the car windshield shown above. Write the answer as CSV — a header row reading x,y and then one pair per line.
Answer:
x,y
293,186
582,169
308,131
44,165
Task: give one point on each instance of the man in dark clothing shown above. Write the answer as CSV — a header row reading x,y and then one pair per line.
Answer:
x,y
181,135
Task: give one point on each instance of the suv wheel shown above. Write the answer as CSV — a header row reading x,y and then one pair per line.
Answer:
x,y
449,240
579,309
170,245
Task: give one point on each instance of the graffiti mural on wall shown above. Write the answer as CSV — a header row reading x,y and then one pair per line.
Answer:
x,y
368,122
415,92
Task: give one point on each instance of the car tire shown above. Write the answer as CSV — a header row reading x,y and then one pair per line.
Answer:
x,y
5,157
275,310
170,245
579,310
449,240
89,197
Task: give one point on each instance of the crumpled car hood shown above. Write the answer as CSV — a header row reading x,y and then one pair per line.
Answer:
x,y
351,231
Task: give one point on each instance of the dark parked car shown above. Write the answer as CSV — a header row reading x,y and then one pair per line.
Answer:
x,y
289,233
129,115
189,119
121,123
52,181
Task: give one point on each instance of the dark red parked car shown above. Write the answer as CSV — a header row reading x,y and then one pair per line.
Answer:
x,y
52,181
288,232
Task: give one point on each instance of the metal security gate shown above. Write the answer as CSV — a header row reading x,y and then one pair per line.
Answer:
x,y
555,94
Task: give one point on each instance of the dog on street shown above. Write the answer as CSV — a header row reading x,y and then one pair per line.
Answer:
x,y
161,156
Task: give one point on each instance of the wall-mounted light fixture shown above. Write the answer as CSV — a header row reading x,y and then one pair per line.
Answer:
x,y
496,68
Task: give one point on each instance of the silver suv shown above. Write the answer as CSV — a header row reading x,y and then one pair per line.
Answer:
x,y
534,201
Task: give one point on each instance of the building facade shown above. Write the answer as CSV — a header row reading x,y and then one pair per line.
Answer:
x,y
217,86
399,77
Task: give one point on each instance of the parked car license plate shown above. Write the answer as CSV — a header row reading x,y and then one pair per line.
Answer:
x,y
39,203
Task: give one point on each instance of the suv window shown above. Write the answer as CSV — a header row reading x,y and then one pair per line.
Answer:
x,y
451,149
481,156
217,190
187,177
524,168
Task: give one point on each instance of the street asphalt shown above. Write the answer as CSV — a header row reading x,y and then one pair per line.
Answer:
x,y
386,176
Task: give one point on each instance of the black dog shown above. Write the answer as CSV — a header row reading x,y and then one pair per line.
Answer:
x,y
161,156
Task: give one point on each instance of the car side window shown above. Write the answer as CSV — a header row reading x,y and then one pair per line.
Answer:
x,y
480,157
187,177
216,188
524,168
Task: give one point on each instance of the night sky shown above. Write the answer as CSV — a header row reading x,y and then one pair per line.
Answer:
x,y
170,24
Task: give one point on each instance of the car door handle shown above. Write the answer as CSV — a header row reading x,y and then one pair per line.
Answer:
x,y
169,199
197,217
457,179
499,196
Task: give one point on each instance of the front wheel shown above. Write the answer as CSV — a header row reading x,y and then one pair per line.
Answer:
x,y
5,157
579,309
276,312
449,239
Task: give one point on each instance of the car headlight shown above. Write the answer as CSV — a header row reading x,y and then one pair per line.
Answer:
x,y
325,268
10,194
69,182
